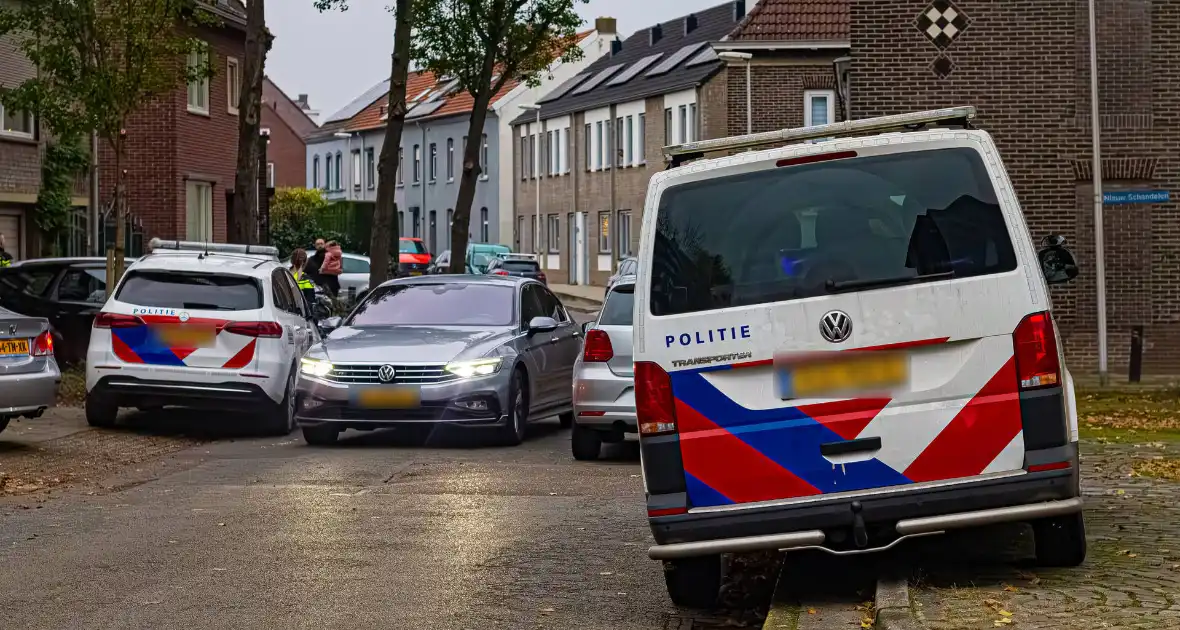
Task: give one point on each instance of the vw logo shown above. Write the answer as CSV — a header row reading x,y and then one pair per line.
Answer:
x,y
386,373
836,326
12,329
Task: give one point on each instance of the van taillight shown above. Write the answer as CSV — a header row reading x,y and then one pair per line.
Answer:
x,y
256,329
116,320
43,345
654,405
597,348
1035,346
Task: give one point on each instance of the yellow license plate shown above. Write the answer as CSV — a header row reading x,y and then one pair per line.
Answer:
x,y
14,347
415,273
871,371
188,336
388,398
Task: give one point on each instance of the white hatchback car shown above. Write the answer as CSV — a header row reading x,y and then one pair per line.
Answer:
x,y
847,343
201,325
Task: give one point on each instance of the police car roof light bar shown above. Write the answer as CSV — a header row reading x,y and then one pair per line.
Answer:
x,y
158,244
958,116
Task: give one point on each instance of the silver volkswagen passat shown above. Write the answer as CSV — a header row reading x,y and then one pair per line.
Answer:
x,y
478,351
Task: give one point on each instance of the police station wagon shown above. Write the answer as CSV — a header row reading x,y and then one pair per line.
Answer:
x,y
846,342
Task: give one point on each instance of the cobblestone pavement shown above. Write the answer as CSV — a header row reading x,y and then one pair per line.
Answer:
x,y
1131,577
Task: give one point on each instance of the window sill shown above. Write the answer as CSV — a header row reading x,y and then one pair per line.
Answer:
x,y
233,111
450,180
18,138
198,111
483,178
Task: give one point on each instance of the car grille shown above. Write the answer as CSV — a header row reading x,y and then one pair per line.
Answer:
x,y
362,374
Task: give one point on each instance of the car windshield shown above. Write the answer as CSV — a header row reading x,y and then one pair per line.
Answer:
x,y
184,289
407,246
443,304
616,311
792,233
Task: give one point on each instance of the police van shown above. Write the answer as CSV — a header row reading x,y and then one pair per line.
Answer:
x,y
847,342
212,326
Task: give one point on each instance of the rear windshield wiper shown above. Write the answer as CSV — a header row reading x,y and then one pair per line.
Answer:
x,y
851,285
206,307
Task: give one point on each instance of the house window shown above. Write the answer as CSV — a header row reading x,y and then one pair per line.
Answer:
x,y
586,153
668,126
450,224
356,169
519,231
233,83
198,216
642,149
694,123
598,138
524,157
417,164
624,233
620,141
483,157
270,174
683,130
315,171
433,162
564,153
328,172
432,242
483,225
336,178
401,159
819,107
604,232
629,158
370,168
549,170
553,234
17,123
417,227
450,160
198,88
533,155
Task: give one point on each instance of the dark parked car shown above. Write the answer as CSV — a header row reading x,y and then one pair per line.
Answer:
x,y
442,261
65,291
519,265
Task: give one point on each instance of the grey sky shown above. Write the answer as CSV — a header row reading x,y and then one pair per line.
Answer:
x,y
334,57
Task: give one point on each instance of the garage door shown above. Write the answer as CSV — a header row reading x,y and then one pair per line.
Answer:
x,y
10,228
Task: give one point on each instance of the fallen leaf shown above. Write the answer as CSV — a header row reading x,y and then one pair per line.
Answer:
x,y
865,624
811,611
605,573
221,524
1005,613
1002,622
548,610
1010,588
1120,492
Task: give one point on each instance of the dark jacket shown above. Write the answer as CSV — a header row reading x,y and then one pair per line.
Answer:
x,y
312,268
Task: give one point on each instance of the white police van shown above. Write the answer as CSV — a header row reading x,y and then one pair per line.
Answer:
x,y
846,342
213,326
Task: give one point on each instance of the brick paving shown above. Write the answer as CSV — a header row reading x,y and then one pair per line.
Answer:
x,y
1131,577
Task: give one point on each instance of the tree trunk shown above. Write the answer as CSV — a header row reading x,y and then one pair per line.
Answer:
x,y
461,228
115,270
386,230
243,226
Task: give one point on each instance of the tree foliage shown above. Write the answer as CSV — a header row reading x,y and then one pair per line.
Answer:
x,y
64,160
297,219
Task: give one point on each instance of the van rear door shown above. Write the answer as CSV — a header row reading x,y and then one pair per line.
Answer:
x,y
841,321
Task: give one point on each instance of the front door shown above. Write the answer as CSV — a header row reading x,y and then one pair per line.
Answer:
x,y
540,349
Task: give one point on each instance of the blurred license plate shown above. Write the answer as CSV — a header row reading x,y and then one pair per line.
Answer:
x,y
14,347
387,398
188,336
415,273
868,371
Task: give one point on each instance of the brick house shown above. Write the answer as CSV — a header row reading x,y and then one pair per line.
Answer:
x,y
182,147
285,123
600,138
1027,72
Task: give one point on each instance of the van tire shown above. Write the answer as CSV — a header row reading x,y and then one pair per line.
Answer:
x,y
1060,541
585,443
321,435
694,582
99,412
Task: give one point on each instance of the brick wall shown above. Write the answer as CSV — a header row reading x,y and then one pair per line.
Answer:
x,y
287,151
1025,66
20,166
778,87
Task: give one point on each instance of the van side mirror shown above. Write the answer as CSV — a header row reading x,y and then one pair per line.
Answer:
x,y
1057,262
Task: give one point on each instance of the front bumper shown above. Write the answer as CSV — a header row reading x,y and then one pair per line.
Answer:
x,y
29,395
321,402
130,391
883,519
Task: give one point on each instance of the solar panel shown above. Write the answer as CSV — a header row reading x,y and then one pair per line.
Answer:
x,y
598,79
634,69
706,56
424,109
673,61
564,87
366,99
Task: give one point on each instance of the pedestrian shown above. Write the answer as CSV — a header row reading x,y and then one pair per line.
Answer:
x,y
332,268
5,257
314,262
306,286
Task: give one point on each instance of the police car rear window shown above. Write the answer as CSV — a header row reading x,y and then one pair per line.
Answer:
x,y
616,311
519,265
198,291
829,227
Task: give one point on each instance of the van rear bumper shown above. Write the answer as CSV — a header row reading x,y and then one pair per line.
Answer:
x,y
887,519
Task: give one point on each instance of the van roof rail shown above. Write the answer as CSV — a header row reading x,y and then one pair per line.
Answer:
x,y
158,244
678,154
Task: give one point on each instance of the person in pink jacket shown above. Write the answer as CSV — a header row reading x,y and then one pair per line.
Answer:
x,y
331,269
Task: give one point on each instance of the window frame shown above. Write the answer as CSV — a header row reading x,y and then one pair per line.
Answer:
x,y
450,159
203,191
623,233
809,96
198,89
417,157
233,70
669,121
338,172
315,171
484,165
620,139
28,117
553,233
357,175
401,161
270,174
587,152
371,168
640,134
599,149
484,228
604,235
682,128
524,157
433,164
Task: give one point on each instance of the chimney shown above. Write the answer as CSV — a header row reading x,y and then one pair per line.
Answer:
x,y
616,46
690,23
606,26
302,102
657,33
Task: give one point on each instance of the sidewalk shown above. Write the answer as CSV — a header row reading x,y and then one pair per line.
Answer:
x,y
580,296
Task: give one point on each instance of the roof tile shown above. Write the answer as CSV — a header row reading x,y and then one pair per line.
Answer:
x,y
795,20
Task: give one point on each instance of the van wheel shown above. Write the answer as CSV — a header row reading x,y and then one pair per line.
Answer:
x,y
99,412
694,582
322,435
566,420
586,443
1060,541
279,419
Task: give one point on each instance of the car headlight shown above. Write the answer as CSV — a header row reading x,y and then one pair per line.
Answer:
x,y
478,367
315,367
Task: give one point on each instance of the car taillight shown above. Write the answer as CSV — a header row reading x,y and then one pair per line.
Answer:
x,y
499,272
654,404
43,345
1035,346
256,329
116,320
597,348
541,277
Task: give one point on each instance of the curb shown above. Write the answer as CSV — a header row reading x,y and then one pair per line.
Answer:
x,y
892,604
783,615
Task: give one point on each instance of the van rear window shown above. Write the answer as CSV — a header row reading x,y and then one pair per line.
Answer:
x,y
197,291
830,227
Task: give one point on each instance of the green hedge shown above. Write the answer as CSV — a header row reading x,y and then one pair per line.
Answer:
x,y
299,216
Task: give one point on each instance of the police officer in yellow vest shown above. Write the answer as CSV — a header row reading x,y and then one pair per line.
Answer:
x,y
5,257
306,286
